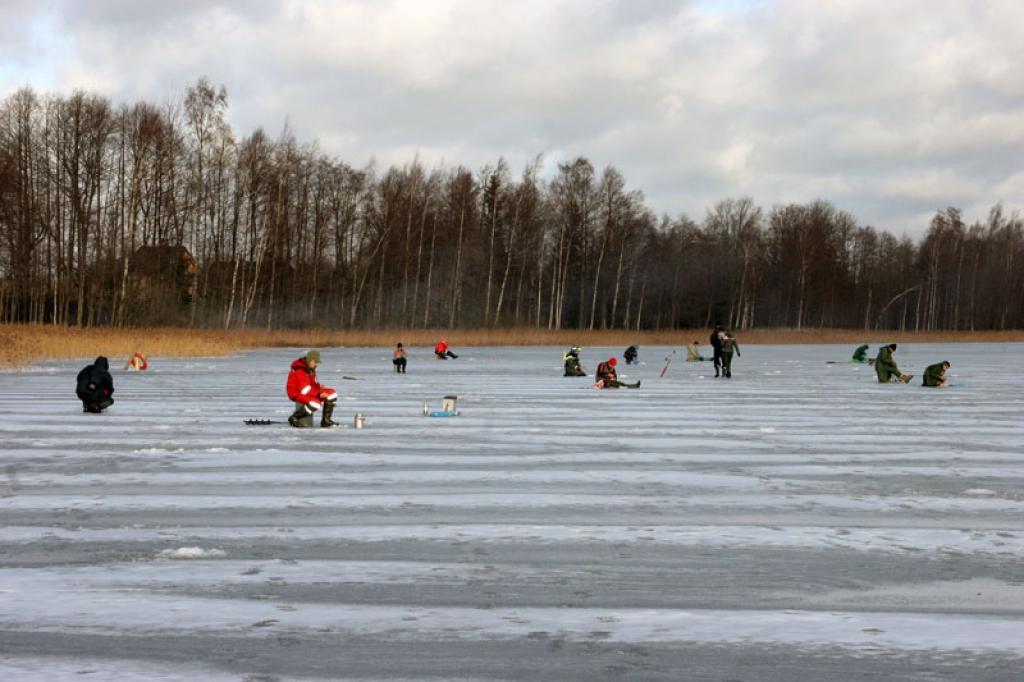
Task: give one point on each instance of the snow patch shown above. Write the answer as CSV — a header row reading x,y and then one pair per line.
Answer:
x,y
191,553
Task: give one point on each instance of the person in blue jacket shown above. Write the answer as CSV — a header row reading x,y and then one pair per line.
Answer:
x,y
630,355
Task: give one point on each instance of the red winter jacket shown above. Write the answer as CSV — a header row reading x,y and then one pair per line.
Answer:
x,y
303,388
441,348
606,372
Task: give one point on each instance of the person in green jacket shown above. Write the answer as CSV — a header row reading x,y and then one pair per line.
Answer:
x,y
861,354
935,375
573,368
885,366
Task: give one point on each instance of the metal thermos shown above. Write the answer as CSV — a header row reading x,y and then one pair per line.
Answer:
x,y
359,421
426,409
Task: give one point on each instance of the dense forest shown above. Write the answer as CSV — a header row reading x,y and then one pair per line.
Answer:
x,y
146,214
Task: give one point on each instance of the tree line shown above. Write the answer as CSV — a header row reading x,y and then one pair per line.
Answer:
x,y
159,214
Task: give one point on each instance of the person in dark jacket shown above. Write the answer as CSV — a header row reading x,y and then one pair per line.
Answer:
x,y
861,354
717,337
442,352
607,377
729,346
95,386
630,355
885,366
573,368
307,393
935,375
399,358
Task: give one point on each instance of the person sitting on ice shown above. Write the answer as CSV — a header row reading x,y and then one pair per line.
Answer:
x,y
935,375
137,362
399,358
307,394
861,354
630,355
607,377
885,366
572,363
693,353
95,386
442,352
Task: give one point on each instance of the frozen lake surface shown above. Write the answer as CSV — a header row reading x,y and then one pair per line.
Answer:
x,y
797,522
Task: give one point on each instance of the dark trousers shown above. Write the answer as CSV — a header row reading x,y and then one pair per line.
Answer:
x,y
615,383
400,365
718,360
727,364
96,406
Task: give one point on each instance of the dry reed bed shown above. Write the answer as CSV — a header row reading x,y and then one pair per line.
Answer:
x,y
20,344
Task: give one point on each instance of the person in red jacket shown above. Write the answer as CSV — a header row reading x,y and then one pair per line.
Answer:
x,y
442,352
308,395
607,377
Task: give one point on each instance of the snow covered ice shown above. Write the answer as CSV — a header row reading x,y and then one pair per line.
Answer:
x,y
799,521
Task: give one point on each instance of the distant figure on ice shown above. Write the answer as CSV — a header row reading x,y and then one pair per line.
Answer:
x,y
399,358
573,368
717,336
442,352
307,394
630,355
607,377
935,375
693,353
885,366
137,362
95,386
729,346
861,354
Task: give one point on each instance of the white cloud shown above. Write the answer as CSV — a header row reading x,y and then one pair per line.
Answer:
x,y
888,110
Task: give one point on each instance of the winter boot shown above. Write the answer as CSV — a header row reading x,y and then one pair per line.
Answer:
x,y
302,418
325,416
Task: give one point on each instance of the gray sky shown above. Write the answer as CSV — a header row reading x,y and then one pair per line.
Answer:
x,y
890,109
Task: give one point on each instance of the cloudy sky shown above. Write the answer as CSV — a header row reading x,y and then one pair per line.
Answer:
x,y
890,109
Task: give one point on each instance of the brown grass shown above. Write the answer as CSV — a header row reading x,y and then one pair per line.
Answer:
x,y
20,344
